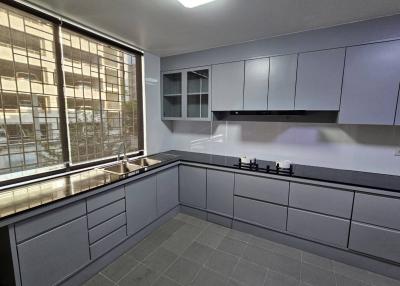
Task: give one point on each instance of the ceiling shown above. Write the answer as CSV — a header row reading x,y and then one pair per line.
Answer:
x,y
165,27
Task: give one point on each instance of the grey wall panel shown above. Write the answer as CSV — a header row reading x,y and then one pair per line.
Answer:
x,y
339,36
227,81
321,199
167,190
38,224
192,186
376,241
377,210
330,230
220,191
105,198
264,189
105,213
268,215
256,84
107,227
319,80
282,82
371,84
52,256
107,243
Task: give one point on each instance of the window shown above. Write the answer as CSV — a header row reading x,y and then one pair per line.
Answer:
x,y
99,105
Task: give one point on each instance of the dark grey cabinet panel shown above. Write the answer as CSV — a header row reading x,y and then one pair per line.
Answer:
x,y
260,188
105,213
376,241
167,190
141,203
321,199
107,243
282,82
256,84
319,80
107,227
227,86
377,210
318,227
44,222
220,191
192,186
268,215
105,198
371,84
398,113
50,257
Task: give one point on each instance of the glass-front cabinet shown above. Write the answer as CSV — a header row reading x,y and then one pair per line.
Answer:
x,y
185,94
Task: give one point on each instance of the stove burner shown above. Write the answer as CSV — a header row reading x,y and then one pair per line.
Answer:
x,y
254,166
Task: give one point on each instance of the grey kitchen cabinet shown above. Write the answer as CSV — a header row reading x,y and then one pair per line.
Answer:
x,y
167,190
193,186
282,82
371,84
256,84
322,228
220,187
227,86
141,203
397,122
172,97
108,242
52,256
319,80
376,241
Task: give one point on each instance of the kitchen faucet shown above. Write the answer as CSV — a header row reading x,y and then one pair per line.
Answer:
x,y
124,160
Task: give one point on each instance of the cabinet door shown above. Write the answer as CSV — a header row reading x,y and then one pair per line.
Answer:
x,y
141,203
167,190
319,80
48,258
220,192
192,186
172,95
398,113
256,84
282,82
227,86
197,94
371,84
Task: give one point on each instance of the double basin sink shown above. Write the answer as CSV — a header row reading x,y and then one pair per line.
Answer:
x,y
125,167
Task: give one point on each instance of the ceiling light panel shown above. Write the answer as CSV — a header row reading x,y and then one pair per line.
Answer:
x,y
194,3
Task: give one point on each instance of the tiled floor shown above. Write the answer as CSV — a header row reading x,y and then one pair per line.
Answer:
x,y
189,251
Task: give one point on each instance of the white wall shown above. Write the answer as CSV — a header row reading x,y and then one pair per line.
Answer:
x,y
352,147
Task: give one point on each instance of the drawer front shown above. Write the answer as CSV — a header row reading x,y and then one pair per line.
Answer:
x,y
105,213
268,215
376,241
107,227
323,228
105,198
381,211
44,222
264,189
321,199
107,243
192,186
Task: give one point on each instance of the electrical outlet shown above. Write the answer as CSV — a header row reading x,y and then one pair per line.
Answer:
x,y
397,153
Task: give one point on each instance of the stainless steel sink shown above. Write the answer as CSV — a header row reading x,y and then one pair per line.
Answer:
x,y
123,167
145,162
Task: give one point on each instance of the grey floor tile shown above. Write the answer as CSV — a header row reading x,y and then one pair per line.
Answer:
x,y
257,255
249,273
142,249
351,271
158,236
218,229
279,279
242,236
139,276
160,259
98,280
119,267
192,220
209,238
172,226
261,242
165,281
317,276
284,265
379,280
209,278
222,262
183,271
232,246
345,281
287,251
198,252
233,282
318,261
179,242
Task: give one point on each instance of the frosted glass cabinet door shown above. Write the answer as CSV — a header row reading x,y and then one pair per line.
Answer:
x,y
172,95
256,84
371,84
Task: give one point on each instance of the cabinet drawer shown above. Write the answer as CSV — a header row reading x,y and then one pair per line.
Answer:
x,y
44,222
105,198
107,227
381,211
105,213
318,227
264,189
376,241
269,215
107,243
321,199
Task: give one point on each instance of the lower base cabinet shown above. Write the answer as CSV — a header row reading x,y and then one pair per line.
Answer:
x,y
167,190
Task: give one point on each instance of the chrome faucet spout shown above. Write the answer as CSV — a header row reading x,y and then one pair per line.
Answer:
x,y
124,158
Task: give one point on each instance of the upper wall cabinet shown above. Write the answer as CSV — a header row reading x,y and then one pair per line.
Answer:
x,y
172,95
282,82
198,96
371,84
227,86
319,80
256,84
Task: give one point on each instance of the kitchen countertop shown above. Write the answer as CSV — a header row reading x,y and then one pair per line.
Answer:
x,y
33,195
